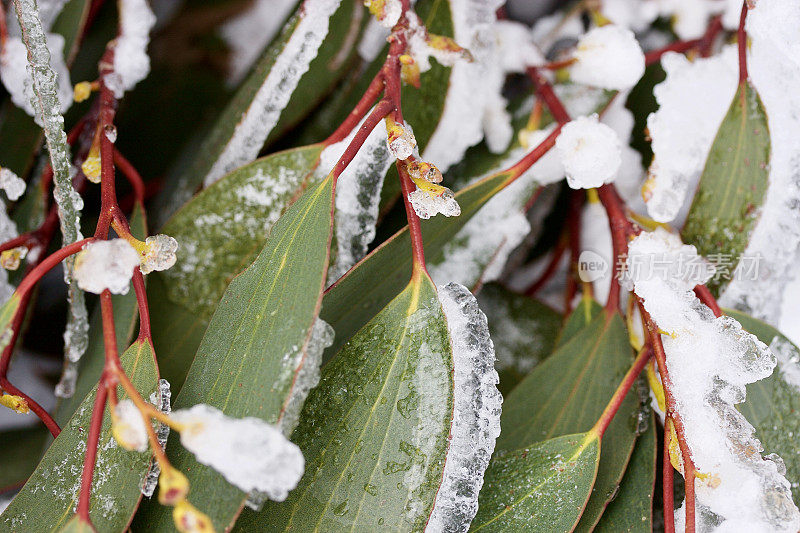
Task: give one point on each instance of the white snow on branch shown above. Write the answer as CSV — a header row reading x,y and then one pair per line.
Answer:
x,y
741,487
131,62
105,265
275,92
476,412
608,57
590,151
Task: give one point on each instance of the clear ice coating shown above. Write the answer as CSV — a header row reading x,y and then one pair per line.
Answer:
x,y
740,487
161,399
272,97
250,453
358,193
131,62
426,206
306,366
161,253
69,202
476,418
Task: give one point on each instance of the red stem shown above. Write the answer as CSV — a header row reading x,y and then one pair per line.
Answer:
x,y
51,261
741,36
144,310
622,390
550,269
133,176
37,409
545,90
383,108
534,155
668,484
362,107
91,450
708,299
414,226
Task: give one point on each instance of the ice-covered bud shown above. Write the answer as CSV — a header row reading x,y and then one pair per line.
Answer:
x,y
409,70
15,403
82,91
11,183
10,259
128,426
429,199
590,152
400,139
91,166
446,51
422,170
159,253
608,57
173,486
250,453
189,520
386,11
106,265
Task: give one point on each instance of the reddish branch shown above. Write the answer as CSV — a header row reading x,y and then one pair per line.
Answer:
x,y
741,36
624,387
703,44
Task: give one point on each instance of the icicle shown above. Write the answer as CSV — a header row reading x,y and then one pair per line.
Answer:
x,y
273,96
69,201
161,399
249,32
476,416
358,193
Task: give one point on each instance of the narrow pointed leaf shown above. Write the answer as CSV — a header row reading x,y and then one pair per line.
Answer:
x,y
631,510
47,501
732,186
773,403
523,331
568,392
583,314
260,354
543,487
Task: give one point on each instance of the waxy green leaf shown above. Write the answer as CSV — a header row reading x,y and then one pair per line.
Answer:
x,y
327,66
732,186
219,233
260,354
523,331
47,501
631,510
583,314
773,403
542,487
567,393
374,432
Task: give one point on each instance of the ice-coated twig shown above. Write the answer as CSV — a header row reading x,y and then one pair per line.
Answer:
x,y
47,105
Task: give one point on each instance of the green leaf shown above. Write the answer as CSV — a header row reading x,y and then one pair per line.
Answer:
x,y
367,467
773,403
567,393
631,511
20,455
732,186
219,232
48,499
581,316
77,525
523,331
126,316
543,487
329,64
259,353
348,307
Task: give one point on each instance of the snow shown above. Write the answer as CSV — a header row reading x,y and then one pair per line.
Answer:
x,y
387,12
636,15
595,237
427,205
249,32
358,192
250,453
131,62
788,358
741,487
160,253
161,399
105,265
515,46
12,184
275,92
590,152
400,140
776,235
693,100
476,412
608,57
128,427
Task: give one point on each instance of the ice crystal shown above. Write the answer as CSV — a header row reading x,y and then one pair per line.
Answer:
x,y
161,399
160,253
105,265
427,205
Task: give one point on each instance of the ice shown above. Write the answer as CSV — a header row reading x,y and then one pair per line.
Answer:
x,y
476,412
386,11
590,152
358,192
515,47
400,141
160,253
105,265
12,184
788,361
608,57
161,399
426,205
307,374
690,17
248,452
128,427
131,62
775,238
739,486
249,32
474,86
272,97
692,102
17,80
636,15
